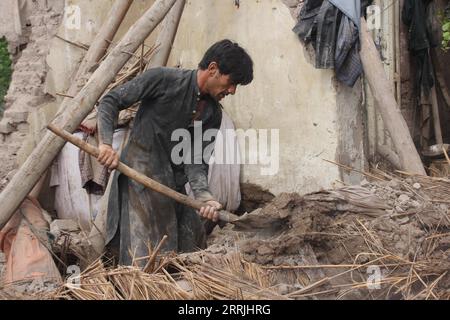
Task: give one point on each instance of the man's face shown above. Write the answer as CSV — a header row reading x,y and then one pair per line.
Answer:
x,y
219,85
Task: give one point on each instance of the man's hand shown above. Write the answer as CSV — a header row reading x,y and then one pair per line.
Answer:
x,y
210,210
107,156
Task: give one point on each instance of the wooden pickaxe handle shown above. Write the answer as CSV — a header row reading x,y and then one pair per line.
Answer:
x,y
141,178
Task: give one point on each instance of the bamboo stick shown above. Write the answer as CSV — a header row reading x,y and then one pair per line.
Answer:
x,y
387,105
100,45
167,34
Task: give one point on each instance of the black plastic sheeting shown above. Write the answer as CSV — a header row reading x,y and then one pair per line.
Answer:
x,y
332,28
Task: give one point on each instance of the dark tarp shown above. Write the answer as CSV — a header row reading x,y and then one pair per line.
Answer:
x,y
332,28
417,15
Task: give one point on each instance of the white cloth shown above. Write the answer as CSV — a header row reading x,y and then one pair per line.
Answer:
x,y
71,200
224,178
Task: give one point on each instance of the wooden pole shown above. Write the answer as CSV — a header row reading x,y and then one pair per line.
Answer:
x,y
77,109
434,100
167,35
100,44
390,155
139,177
387,105
425,120
436,118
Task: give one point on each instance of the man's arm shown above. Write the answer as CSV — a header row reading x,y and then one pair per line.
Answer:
x,y
197,172
197,175
147,85
198,179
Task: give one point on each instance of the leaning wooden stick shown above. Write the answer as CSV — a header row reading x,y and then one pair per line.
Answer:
x,y
141,178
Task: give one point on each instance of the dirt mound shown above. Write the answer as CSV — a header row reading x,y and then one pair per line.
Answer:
x,y
383,240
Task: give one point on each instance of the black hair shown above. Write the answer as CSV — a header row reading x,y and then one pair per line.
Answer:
x,y
231,59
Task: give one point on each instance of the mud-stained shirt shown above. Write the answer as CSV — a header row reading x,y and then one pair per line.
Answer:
x,y
169,101
171,109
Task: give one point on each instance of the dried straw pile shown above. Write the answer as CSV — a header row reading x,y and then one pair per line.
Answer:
x,y
233,279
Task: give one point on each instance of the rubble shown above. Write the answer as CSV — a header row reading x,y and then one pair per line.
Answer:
x,y
63,225
327,245
414,229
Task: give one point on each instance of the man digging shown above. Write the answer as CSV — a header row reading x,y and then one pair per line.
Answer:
x,y
170,99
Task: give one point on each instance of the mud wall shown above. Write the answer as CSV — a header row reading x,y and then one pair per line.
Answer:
x,y
305,105
288,93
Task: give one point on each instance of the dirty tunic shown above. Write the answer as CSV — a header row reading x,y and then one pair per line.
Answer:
x,y
137,216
